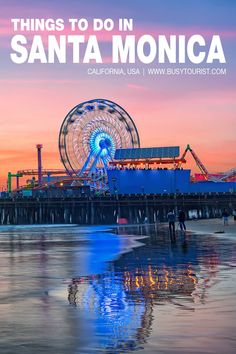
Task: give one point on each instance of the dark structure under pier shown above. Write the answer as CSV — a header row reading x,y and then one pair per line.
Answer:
x,y
107,209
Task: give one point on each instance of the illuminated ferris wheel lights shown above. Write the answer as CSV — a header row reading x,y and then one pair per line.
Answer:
x,y
91,133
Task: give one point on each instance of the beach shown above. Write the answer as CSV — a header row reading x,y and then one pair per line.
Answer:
x,y
90,289
212,226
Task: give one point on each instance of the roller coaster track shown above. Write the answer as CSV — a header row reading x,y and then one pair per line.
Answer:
x,y
45,172
228,174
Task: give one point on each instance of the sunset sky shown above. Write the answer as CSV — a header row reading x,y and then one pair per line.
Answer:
x,y
168,110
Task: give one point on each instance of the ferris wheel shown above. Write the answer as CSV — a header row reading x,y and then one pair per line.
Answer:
x,y
90,134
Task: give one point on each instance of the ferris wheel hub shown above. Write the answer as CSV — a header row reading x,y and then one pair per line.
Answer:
x,y
105,143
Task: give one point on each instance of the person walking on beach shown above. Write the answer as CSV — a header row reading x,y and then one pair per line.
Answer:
x,y
234,214
171,221
225,216
181,218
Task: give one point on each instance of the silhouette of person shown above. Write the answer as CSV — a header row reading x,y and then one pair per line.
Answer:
x,y
171,221
181,218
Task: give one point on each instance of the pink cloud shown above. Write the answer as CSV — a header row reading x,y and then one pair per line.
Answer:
x,y
137,87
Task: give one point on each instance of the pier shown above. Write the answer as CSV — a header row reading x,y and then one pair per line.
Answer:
x,y
90,210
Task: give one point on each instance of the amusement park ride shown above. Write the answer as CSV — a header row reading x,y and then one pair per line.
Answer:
x,y
90,135
205,175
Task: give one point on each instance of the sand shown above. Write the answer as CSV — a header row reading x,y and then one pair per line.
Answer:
x,y
212,226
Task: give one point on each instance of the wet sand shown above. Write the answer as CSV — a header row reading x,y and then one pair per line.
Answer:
x,y
90,290
212,226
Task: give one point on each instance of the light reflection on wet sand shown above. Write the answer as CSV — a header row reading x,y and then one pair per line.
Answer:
x,y
67,290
